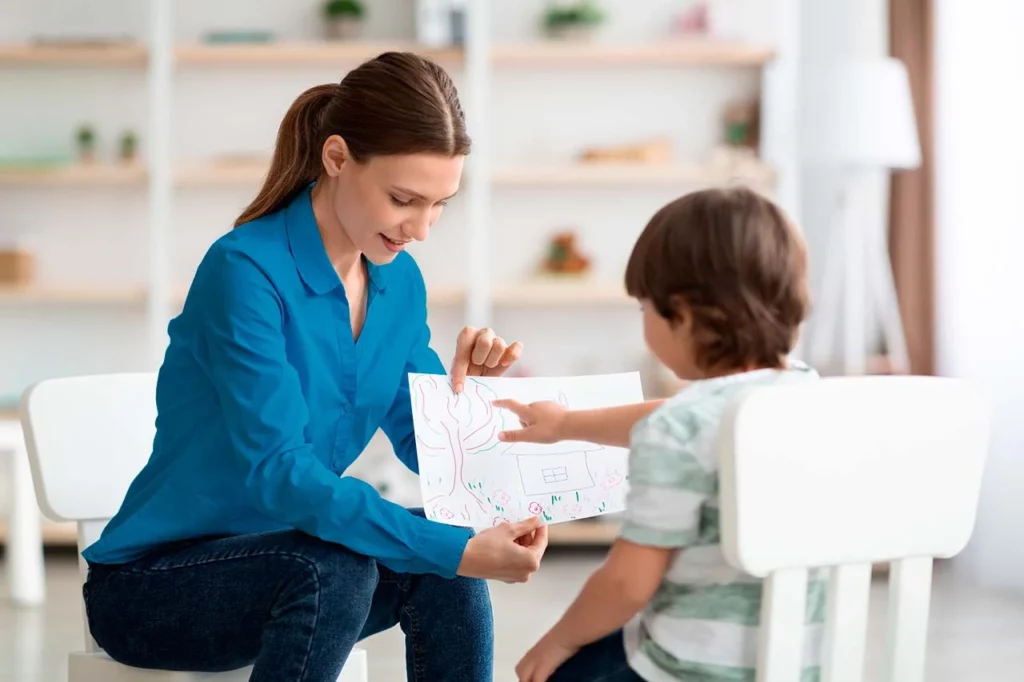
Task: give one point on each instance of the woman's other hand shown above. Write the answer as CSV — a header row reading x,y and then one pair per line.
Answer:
x,y
510,552
481,353
542,422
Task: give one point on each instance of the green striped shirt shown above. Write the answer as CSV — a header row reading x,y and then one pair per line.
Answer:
x,y
701,625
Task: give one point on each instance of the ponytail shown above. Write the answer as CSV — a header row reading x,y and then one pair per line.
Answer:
x,y
296,161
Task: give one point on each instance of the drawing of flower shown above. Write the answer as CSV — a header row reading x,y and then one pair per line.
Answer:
x,y
446,513
612,481
498,520
572,509
535,508
501,498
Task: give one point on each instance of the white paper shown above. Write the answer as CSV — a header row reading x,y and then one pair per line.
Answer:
x,y
470,478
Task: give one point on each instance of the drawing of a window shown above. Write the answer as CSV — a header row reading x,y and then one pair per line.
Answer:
x,y
555,474
546,469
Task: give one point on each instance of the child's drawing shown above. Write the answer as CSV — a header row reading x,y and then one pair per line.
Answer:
x,y
469,477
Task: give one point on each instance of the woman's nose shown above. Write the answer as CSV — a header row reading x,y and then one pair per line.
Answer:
x,y
419,228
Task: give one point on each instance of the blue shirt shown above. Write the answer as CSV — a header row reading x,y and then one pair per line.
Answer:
x,y
264,399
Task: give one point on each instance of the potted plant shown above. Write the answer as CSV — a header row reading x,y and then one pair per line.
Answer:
x,y
344,18
85,137
129,146
574,21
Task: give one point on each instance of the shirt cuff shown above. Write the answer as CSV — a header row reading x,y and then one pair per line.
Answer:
x,y
441,546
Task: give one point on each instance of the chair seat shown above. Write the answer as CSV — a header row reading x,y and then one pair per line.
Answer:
x,y
98,667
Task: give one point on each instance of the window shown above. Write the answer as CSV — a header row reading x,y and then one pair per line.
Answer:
x,y
555,474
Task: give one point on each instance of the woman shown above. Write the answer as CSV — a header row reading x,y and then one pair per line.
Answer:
x,y
239,542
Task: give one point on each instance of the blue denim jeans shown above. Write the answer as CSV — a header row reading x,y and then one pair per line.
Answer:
x,y
289,604
600,661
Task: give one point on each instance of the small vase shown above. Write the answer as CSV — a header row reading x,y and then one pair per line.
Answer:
x,y
572,33
344,28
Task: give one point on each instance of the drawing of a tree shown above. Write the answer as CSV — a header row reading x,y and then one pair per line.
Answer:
x,y
457,426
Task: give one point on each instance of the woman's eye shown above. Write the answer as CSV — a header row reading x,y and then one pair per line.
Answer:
x,y
398,202
442,203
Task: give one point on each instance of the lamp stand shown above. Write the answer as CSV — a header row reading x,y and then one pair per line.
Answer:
x,y
858,285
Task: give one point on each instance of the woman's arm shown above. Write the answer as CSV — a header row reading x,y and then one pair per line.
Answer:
x,y
549,422
397,424
266,415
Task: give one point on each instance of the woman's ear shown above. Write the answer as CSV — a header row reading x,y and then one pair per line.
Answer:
x,y
334,155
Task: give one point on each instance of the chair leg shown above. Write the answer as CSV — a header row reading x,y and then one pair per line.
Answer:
x,y
25,537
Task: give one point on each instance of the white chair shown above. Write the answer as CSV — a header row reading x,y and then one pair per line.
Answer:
x,y
87,438
843,474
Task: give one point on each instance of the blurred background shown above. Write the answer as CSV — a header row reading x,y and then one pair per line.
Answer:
x,y
133,132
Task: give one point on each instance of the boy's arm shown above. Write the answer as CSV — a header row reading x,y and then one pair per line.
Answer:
x,y
606,425
667,491
614,594
549,422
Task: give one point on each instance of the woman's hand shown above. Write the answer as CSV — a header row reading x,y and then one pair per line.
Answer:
x,y
510,552
542,422
543,659
480,353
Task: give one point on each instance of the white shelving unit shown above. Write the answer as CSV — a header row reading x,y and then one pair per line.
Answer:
x,y
479,64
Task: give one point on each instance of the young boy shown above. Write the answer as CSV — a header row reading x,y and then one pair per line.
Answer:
x,y
721,277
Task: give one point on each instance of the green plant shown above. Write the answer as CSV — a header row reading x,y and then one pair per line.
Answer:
x,y
585,13
129,144
86,136
339,9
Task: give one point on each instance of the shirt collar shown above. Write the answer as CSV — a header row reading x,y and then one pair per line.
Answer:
x,y
308,250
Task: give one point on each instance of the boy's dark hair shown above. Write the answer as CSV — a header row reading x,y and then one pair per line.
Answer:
x,y
731,259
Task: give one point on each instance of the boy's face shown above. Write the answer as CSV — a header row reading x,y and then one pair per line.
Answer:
x,y
671,342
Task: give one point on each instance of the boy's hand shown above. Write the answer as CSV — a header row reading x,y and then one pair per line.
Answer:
x,y
543,660
542,422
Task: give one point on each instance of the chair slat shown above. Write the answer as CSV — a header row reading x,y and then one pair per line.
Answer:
x,y
783,611
849,594
910,585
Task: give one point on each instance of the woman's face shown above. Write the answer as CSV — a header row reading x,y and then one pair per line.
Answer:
x,y
388,201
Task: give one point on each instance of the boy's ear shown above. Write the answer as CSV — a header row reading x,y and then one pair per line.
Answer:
x,y
681,312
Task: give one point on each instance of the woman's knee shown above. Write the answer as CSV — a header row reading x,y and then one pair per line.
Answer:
x,y
469,595
342,580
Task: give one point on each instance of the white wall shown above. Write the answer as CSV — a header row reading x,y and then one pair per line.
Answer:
x,y
980,323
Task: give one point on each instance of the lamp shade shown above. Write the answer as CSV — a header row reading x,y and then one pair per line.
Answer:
x,y
858,112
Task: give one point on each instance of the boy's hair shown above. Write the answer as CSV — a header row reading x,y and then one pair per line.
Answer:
x,y
732,260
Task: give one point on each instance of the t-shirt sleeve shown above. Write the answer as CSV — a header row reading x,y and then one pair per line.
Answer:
x,y
668,484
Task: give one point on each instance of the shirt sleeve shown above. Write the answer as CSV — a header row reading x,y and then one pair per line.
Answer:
x,y
397,424
668,487
266,415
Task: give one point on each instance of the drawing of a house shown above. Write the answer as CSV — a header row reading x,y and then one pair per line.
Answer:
x,y
555,468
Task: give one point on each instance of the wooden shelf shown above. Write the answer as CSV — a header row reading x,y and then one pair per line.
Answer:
x,y
84,55
555,292
678,53
74,175
221,174
582,174
327,53
583,533
87,294
605,174
54,534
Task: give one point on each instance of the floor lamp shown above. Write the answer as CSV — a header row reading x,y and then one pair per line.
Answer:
x,y
858,118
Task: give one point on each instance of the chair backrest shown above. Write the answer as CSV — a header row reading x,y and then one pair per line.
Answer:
x,y
87,437
841,474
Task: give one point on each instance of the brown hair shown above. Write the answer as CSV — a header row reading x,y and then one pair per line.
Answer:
x,y
732,260
396,103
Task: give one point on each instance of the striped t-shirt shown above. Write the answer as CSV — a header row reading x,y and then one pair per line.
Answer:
x,y
701,625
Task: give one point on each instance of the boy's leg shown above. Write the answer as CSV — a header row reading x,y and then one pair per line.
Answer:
x,y
600,661
289,603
